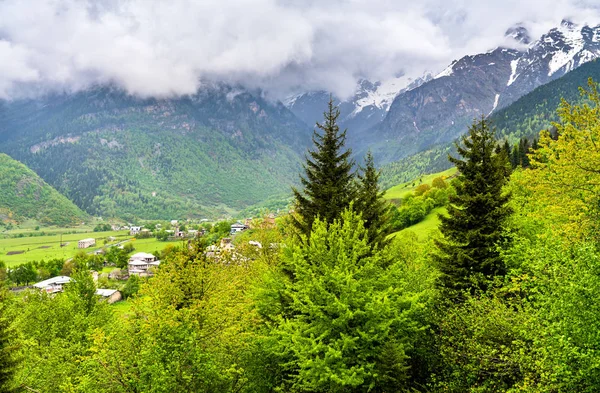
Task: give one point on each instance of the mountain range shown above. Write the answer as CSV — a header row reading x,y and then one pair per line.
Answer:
x,y
112,154
437,110
226,148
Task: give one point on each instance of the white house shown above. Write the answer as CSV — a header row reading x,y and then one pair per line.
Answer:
x,y
142,263
238,227
53,285
110,295
85,243
134,230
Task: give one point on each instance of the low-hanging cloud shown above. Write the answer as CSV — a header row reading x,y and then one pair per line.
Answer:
x,y
161,49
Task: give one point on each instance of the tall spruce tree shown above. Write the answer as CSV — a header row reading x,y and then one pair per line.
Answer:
x,y
329,181
8,360
375,211
468,255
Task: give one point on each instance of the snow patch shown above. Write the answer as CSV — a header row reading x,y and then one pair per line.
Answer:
x,y
447,72
495,104
573,39
513,74
385,92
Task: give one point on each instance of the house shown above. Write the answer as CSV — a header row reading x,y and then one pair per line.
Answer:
x,y
142,264
134,230
53,285
226,244
115,227
110,295
238,227
174,222
85,243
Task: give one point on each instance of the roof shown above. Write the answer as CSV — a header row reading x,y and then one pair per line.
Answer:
x,y
142,255
238,225
58,280
105,292
138,263
88,240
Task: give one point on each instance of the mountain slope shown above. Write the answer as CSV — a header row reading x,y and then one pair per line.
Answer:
x,y
441,109
535,111
366,108
24,195
116,155
526,117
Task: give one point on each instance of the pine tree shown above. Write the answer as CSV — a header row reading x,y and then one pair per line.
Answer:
x,y
329,182
374,209
346,325
468,256
8,361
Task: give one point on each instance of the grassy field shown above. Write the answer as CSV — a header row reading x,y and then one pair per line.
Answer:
x,y
425,228
26,249
122,308
401,190
152,245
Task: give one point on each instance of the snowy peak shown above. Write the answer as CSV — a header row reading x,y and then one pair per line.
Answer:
x,y
380,95
518,33
367,106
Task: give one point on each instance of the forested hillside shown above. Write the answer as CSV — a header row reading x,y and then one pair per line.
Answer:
x,y
537,110
115,155
24,195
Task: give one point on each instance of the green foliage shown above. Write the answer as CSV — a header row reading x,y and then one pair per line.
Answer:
x,y
24,195
341,321
8,345
414,208
468,256
328,186
374,210
102,228
131,287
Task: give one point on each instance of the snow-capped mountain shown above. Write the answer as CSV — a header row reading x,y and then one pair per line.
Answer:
x,y
442,108
367,107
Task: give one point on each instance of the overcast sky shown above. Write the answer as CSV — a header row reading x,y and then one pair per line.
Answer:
x,y
164,48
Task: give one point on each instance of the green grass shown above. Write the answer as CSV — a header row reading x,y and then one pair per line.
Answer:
x,y
122,308
401,190
427,227
152,245
36,248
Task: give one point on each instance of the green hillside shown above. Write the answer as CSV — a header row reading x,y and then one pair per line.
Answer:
x,y
536,111
23,195
214,153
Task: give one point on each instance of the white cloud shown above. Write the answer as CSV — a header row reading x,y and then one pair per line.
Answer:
x,y
159,48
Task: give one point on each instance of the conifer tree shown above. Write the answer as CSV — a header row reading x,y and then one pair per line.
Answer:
x,y
375,211
468,256
8,361
329,181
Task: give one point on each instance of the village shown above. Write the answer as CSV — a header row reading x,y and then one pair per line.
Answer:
x,y
142,264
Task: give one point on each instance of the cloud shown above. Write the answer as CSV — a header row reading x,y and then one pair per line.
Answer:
x,y
158,48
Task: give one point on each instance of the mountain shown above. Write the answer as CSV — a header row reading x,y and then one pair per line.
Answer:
x,y
366,108
478,85
535,111
524,118
209,154
23,195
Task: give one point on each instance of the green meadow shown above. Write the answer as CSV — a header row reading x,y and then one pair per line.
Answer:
x,y
19,250
401,190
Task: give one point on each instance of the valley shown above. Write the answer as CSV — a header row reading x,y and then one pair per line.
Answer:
x,y
303,197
